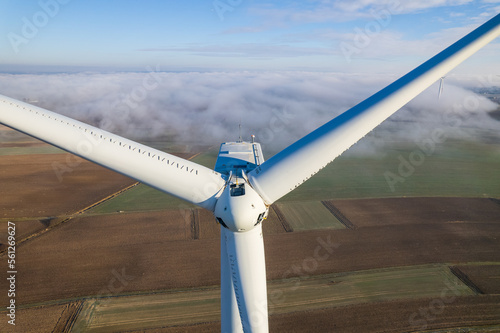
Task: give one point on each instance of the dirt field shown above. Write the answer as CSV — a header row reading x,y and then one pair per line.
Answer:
x,y
158,249
31,186
485,276
39,319
396,211
378,243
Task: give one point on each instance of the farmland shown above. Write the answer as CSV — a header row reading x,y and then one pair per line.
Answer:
x,y
141,256
467,169
41,181
457,169
142,259
287,296
308,215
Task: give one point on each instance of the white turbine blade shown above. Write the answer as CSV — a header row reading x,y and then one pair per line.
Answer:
x,y
295,164
246,261
168,173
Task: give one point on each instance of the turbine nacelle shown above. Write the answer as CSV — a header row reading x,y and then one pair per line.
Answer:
x,y
240,208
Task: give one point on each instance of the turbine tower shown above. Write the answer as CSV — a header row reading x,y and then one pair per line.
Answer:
x,y
243,186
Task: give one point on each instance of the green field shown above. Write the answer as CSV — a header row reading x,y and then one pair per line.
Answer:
x,y
463,169
365,286
148,311
172,308
141,198
458,169
30,150
308,215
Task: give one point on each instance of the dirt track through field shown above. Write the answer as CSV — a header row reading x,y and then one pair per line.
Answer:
x,y
68,317
465,279
338,214
281,218
50,226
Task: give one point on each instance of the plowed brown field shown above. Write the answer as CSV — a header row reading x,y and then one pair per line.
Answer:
x,y
52,185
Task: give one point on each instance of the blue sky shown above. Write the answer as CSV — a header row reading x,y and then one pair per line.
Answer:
x,y
352,36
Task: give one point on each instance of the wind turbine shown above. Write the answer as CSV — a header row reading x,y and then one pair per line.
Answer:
x,y
441,86
243,186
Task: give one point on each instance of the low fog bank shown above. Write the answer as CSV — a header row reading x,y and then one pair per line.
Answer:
x,y
278,108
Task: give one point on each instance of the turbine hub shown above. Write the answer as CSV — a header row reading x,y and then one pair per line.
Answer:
x,y
240,208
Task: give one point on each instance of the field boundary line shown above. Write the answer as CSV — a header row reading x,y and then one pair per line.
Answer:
x,y
282,219
495,200
71,217
195,224
68,317
74,316
109,197
338,214
465,279
66,307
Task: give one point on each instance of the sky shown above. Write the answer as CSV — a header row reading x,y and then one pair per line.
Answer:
x,y
348,36
194,70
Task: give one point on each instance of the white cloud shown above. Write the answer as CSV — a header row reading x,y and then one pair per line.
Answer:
x,y
489,12
279,107
257,50
359,7
376,31
346,10
386,44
